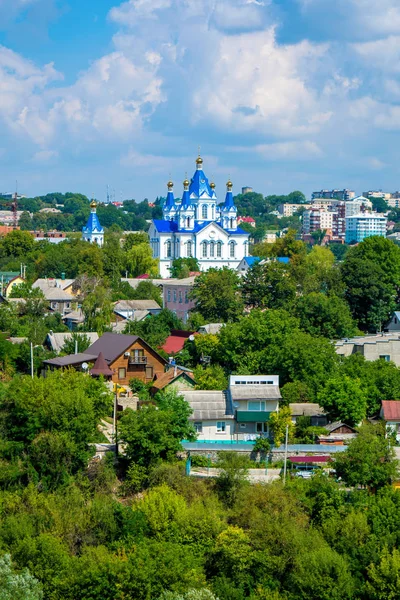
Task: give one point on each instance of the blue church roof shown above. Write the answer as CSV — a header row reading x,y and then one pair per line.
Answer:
x,y
92,224
199,184
185,203
228,201
172,227
252,260
170,201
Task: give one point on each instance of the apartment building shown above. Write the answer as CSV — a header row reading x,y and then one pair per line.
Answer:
x,y
334,194
288,210
363,225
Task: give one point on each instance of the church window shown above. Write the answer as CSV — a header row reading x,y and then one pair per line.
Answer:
x,y
232,249
189,249
231,223
188,222
204,249
204,211
168,249
212,246
246,248
219,249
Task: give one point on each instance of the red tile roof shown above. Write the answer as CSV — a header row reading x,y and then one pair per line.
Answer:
x,y
166,378
391,410
175,342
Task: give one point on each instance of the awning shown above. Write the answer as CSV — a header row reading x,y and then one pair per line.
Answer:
x,y
309,459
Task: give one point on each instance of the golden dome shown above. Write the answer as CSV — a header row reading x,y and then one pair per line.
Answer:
x,y
170,184
229,183
212,185
199,160
186,182
93,204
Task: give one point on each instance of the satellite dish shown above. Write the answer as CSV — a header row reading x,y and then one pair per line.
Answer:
x,y
85,366
191,338
236,405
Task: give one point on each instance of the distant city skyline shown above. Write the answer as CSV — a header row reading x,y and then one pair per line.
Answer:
x,y
279,94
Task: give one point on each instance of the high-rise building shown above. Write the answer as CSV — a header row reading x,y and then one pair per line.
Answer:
x,y
363,225
334,194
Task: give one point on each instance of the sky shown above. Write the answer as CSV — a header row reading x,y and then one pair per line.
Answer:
x,y
279,95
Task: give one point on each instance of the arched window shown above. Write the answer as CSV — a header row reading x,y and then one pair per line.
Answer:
x,y
204,249
188,222
189,249
168,249
219,249
231,223
232,249
212,249
204,211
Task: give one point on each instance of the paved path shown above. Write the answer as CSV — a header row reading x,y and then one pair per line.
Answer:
x,y
107,429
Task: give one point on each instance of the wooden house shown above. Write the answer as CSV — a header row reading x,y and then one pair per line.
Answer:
x,y
128,356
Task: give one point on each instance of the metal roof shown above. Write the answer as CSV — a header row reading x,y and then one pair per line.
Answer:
x,y
307,409
262,392
207,405
57,340
71,359
124,305
391,410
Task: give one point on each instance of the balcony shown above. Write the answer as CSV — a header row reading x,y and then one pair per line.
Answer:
x,y
252,416
137,360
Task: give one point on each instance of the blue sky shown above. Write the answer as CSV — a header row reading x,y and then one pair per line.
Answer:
x,y
279,94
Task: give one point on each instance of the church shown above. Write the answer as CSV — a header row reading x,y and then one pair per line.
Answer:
x,y
198,226
93,232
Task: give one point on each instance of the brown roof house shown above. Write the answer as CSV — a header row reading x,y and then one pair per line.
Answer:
x,y
127,356
176,377
390,412
338,434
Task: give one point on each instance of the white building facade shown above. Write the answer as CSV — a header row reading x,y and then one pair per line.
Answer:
x,y
198,227
363,225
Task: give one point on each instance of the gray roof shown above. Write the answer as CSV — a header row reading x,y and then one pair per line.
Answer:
x,y
45,284
57,294
75,315
333,426
307,409
125,305
255,392
211,328
71,359
207,405
57,340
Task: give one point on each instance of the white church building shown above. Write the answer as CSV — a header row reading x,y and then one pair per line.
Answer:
x,y
197,226
93,232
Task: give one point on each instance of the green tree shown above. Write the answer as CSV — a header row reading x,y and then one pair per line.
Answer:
x,y
383,579
279,421
17,586
327,316
344,399
268,286
212,377
182,267
17,243
369,459
216,294
233,475
97,309
139,260
77,341
25,222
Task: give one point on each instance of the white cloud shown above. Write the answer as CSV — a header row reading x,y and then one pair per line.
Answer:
x,y
44,156
299,150
383,54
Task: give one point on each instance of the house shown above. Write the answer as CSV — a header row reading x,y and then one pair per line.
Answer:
x,y
128,356
249,220
73,319
8,280
213,328
338,434
176,377
246,263
135,310
394,323
390,412
384,345
175,342
253,398
56,341
270,236
213,416
317,415
65,284
59,301
176,298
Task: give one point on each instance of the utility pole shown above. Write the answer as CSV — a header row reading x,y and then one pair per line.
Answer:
x,y
32,360
285,463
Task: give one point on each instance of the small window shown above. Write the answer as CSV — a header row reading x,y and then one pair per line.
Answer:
x,y
212,245
122,373
262,427
169,296
219,249
198,427
232,249
180,297
204,249
395,321
256,405
186,298
220,426
242,425
204,211
385,357
54,305
189,249
174,295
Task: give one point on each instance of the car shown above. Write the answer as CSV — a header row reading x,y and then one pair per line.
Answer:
x,y
304,474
